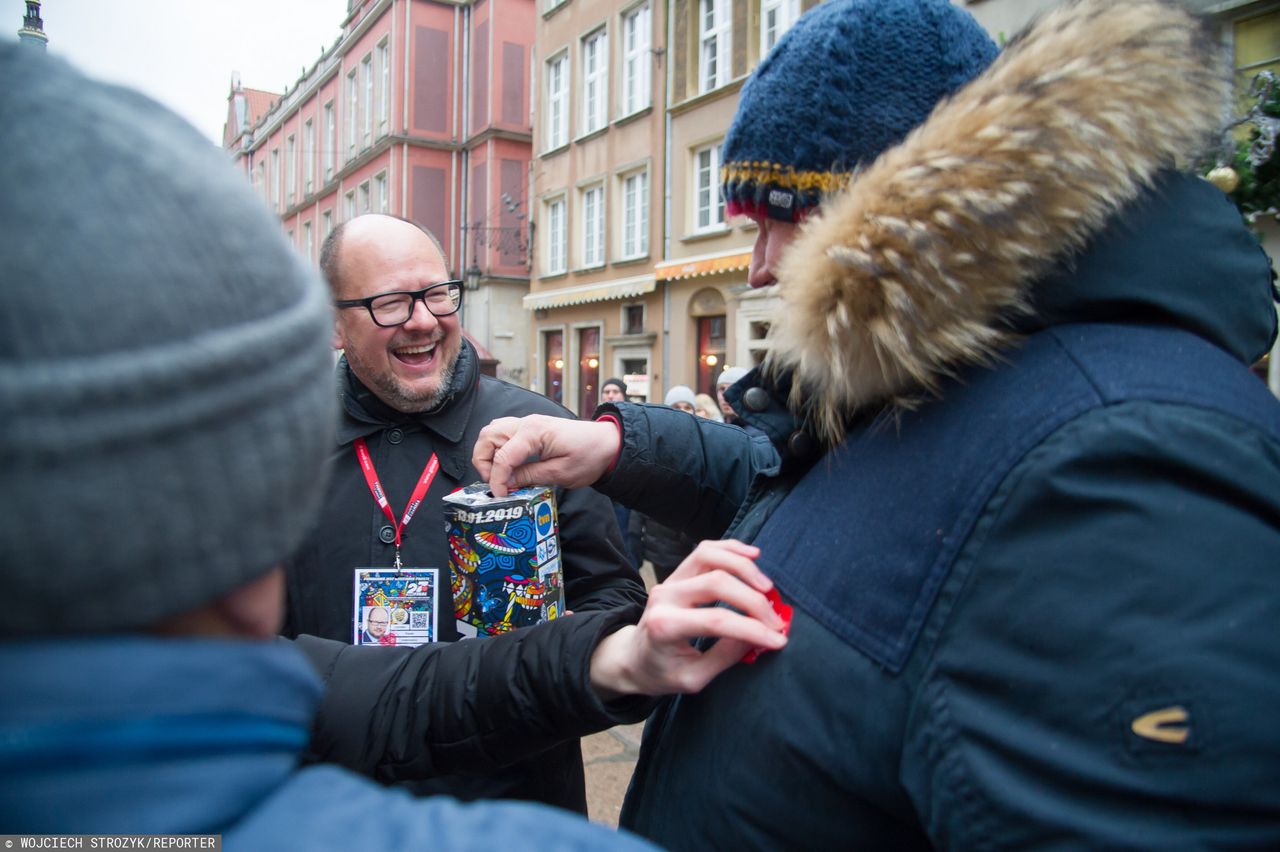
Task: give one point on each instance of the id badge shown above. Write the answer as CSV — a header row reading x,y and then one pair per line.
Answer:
x,y
394,606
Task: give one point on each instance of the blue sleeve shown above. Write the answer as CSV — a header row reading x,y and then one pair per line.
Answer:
x,y
324,807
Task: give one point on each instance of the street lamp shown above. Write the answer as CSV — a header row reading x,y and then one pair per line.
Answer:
x,y
471,277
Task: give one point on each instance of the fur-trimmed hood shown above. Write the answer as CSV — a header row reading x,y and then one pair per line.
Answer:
x,y
930,257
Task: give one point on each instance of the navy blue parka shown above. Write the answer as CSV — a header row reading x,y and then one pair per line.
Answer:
x,y
1036,578
1040,611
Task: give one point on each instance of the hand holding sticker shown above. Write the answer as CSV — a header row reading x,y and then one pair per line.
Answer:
x,y
656,657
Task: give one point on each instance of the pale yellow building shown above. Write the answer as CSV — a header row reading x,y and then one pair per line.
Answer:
x,y
636,273
1250,32
714,319
597,184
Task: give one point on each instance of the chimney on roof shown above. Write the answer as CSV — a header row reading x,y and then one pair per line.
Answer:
x,y
32,31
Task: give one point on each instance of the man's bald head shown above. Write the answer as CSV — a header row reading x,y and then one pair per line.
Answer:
x,y
331,248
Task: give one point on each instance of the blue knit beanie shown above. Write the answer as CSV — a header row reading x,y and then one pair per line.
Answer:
x,y
850,79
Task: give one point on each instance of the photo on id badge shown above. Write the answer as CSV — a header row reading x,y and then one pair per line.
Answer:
x,y
394,606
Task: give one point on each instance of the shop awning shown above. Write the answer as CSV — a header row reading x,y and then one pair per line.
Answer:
x,y
706,266
624,289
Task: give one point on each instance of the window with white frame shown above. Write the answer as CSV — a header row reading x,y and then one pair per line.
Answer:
x,y
364,197
715,23
330,142
349,206
291,167
380,192
384,93
776,17
593,226
708,205
262,181
635,214
636,73
557,237
308,157
595,81
326,223
366,109
353,104
557,116
275,178
307,246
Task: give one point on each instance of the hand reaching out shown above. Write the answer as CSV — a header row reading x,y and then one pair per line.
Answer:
x,y
512,452
654,657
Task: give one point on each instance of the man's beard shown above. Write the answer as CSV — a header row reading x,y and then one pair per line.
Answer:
x,y
404,399
399,397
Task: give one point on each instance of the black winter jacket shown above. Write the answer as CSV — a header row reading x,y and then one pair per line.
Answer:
x,y
352,533
1040,609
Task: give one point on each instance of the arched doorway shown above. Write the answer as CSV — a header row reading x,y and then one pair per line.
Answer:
x,y
707,309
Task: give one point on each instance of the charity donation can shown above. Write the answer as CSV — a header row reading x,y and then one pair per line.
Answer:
x,y
504,558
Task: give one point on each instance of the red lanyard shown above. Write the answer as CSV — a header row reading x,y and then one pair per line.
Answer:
x,y
375,488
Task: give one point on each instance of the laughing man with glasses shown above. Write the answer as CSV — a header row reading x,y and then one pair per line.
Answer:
x,y
410,386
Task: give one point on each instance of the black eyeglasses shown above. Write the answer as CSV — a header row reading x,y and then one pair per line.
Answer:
x,y
389,310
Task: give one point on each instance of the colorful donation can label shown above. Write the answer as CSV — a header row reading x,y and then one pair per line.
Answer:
x,y
504,558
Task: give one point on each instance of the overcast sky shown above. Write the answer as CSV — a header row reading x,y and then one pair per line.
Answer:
x,y
182,52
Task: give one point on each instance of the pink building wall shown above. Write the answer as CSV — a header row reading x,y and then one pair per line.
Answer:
x,y
466,64
500,130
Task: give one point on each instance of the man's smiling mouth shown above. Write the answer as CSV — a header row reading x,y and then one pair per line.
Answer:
x,y
416,355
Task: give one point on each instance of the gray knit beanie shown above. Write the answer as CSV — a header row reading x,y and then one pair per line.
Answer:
x,y
731,376
679,393
166,402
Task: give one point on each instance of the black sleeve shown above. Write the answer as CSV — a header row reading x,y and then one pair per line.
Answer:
x,y
688,472
412,713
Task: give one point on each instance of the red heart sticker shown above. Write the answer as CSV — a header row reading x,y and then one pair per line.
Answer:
x,y
784,612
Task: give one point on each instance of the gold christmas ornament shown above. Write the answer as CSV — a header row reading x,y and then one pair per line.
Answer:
x,y
1224,178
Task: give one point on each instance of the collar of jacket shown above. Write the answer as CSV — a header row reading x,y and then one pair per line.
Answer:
x,y
760,401
922,264
363,414
767,409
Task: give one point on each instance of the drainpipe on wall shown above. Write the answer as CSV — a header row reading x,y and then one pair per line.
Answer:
x,y
464,205
404,113
454,248
666,203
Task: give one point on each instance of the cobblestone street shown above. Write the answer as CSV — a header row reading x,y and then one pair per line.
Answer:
x,y
609,758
